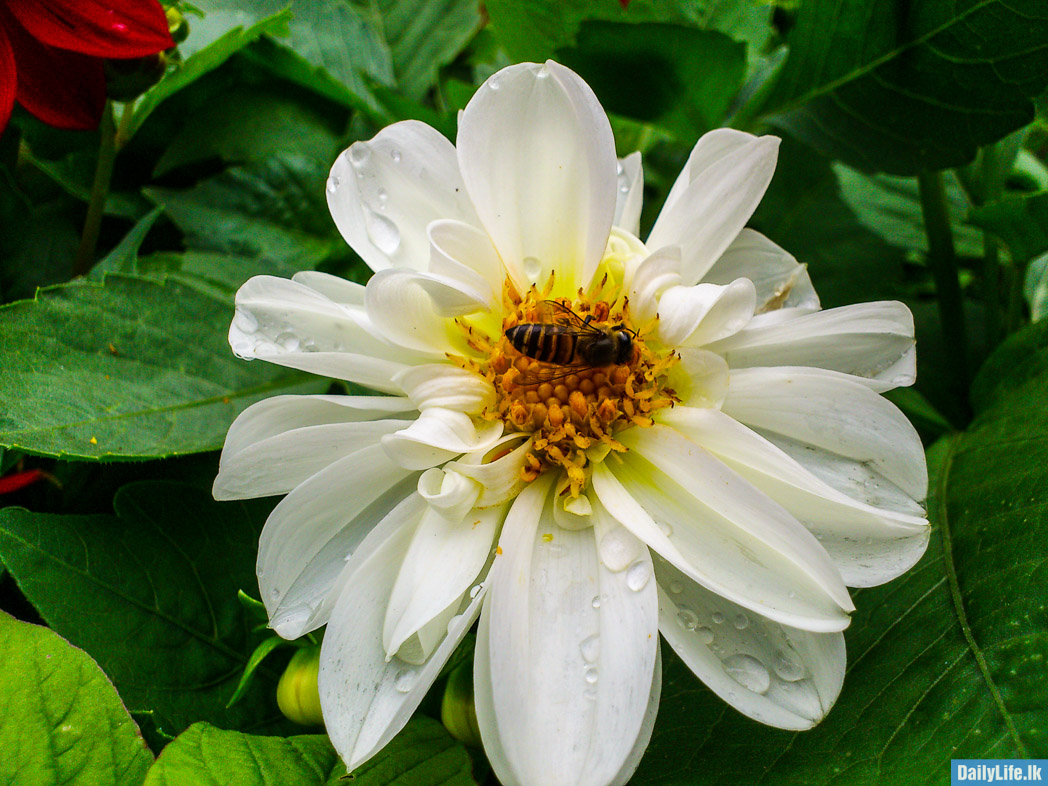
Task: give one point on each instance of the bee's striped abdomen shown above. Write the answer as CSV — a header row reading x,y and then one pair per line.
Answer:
x,y
544,342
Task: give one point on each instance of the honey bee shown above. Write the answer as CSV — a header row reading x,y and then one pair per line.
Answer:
x,y
566,343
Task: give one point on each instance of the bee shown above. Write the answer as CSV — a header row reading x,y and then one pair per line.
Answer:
x,y
567,343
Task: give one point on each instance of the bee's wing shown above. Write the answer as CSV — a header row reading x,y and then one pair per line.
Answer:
x,y
538,373
555,313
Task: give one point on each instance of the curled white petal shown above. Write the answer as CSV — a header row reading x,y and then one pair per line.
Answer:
x,y
693,316
779,279
443,385
657,273
449,493
461,251
437,436
500,477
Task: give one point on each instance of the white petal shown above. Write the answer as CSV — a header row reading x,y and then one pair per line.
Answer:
x,y
713,550
640,745
445,558
439,435
315,527
277,464
871,340
499,478
279,414
780,281
834,412
365,699
538,157
693,316
383,194
630,195
711,148
462,251
780,676
572,648
869,546
657,273
449,493
340,290
413,309
447,386
289,324
705,378
716,205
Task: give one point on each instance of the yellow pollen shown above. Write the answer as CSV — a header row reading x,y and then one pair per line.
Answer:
x,y
571,410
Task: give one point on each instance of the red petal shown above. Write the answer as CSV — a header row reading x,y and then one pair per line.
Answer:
x,y
102,28
19,480
8,79
64,89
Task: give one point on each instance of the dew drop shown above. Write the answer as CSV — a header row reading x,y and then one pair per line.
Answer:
x,y
359,154
638,575
383,197
591,675
705,634
748,672
473,591
532,268
245,321
405,681
676,587
395,155
687,618
741,621
791,594
289,341
665,528
787,668
493,84
624,189
333,183
619,168
596,601
274,593
590,694
590,648
616,550
717,617
383,232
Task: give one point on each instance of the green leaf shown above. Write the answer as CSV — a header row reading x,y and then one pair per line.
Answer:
x,y
151,594
947,661
1035,288
423,36
423,754
204,61
891,207
124,257
269,211
675,77
1020,221
889,85
125,369
257,656
61,721
205,756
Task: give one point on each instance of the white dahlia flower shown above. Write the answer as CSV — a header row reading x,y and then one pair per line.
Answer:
x,y
723,483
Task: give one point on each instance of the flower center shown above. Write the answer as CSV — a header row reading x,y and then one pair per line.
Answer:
x,y
571,374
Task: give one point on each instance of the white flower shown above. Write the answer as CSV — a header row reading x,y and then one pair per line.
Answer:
x,y
577,516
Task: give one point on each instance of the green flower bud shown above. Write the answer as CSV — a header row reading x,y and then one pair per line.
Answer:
x,y
458,713
177,24
297,693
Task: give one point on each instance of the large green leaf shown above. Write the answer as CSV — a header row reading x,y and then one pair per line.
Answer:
x,y
424,35
1020,221
899,86
151,594
125,369
61,722
945,662
676,77
423,754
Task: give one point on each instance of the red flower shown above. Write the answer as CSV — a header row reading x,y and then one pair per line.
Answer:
x,y
51,53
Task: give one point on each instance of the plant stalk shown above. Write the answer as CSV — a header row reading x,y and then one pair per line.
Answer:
x,y
992,185
943,263
85,254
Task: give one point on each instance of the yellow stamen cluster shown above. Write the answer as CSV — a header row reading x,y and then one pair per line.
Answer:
x,y
572,414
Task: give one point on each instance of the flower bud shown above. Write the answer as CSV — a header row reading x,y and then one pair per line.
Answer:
x,y
177,24
297,694
458,713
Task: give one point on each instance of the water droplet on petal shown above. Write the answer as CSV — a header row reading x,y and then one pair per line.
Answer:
x,y
333,183
591,675
359,153
687,618
748,672
705,634
787,668
616,550
666,529
274,593
676,587
395,155
405,681
638,575
717,617
596,601
741,621
383,197
245,321
532,268
590,694
493,84
473,591
289,341
619,168
590,648
383,232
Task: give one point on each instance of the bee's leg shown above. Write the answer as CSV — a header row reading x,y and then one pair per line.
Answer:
x,y
587,320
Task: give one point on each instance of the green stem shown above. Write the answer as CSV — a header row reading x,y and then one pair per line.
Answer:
x,y
943,264
992,185
85,254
